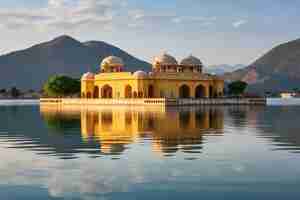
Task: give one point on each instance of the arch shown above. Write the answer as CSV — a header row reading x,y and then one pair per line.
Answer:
x,y
211,91
200,91
151,91
106,92
89,95
140,94
96,92
184,91
135,95
128,91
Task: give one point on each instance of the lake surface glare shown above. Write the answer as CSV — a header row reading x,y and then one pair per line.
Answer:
x,y
233,152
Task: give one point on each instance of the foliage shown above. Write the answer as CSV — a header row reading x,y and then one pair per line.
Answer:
x,y
14,92
59,86
2,91
296,90
237,87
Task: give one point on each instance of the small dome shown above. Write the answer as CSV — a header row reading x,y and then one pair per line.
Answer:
x,y
165,59
112,61
191,60
140,74
88,76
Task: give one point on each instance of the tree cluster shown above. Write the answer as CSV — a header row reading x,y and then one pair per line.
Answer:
x,y
61,86
237,87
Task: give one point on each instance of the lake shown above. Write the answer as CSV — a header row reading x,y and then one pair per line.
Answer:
x,y
233,152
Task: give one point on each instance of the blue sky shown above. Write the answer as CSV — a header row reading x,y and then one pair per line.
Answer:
x,y
217,31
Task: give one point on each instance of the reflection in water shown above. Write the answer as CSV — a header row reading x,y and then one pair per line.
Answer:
x,y
216,151
67,132
114,128
281,127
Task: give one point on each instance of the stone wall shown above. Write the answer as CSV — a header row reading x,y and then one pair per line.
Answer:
x,y
156,101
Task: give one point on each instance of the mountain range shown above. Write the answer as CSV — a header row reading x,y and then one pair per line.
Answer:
x,y
277,70
222,68
30,68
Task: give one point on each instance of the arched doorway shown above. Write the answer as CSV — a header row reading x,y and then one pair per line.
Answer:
x,y
96,92
211,91
200,91
151,91
184,91
106,92
128,91
140,94
135,95
88,95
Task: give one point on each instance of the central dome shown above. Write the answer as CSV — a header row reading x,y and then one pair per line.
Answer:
x,y
112,61
165,59
191,61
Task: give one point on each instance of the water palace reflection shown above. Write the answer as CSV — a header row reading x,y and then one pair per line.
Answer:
x,y
114,128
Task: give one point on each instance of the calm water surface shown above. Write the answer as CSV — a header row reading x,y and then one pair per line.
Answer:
x,y
133,153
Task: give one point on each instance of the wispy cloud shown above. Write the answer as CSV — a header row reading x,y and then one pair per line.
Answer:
x,y
142,17
239,23
79,14
182,19
62,14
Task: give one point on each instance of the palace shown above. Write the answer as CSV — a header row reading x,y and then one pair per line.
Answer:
x,y
168,79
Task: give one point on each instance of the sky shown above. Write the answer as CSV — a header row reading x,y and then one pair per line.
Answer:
x,y
216,31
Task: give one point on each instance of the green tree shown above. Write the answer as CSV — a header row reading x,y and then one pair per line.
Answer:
x,y
2,91
60,86
296,90
237,87
14,92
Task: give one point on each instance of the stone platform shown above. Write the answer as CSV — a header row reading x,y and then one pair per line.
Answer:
x,y
156,101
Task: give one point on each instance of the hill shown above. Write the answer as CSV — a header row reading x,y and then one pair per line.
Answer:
x,y
30,68
222,68
277,70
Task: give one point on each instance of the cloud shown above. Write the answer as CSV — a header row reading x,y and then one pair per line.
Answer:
x,y
62,14
56,3
184,19
79,14
239,23
139,15
141,18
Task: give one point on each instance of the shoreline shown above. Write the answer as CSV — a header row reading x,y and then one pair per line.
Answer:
x,y
269,102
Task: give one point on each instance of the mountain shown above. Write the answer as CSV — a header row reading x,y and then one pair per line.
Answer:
x,y
278,70
222,68
30,68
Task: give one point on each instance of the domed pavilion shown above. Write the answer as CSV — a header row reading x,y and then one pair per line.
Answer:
x,y
169,79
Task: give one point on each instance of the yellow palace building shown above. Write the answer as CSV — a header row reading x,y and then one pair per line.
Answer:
x,y
168,79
